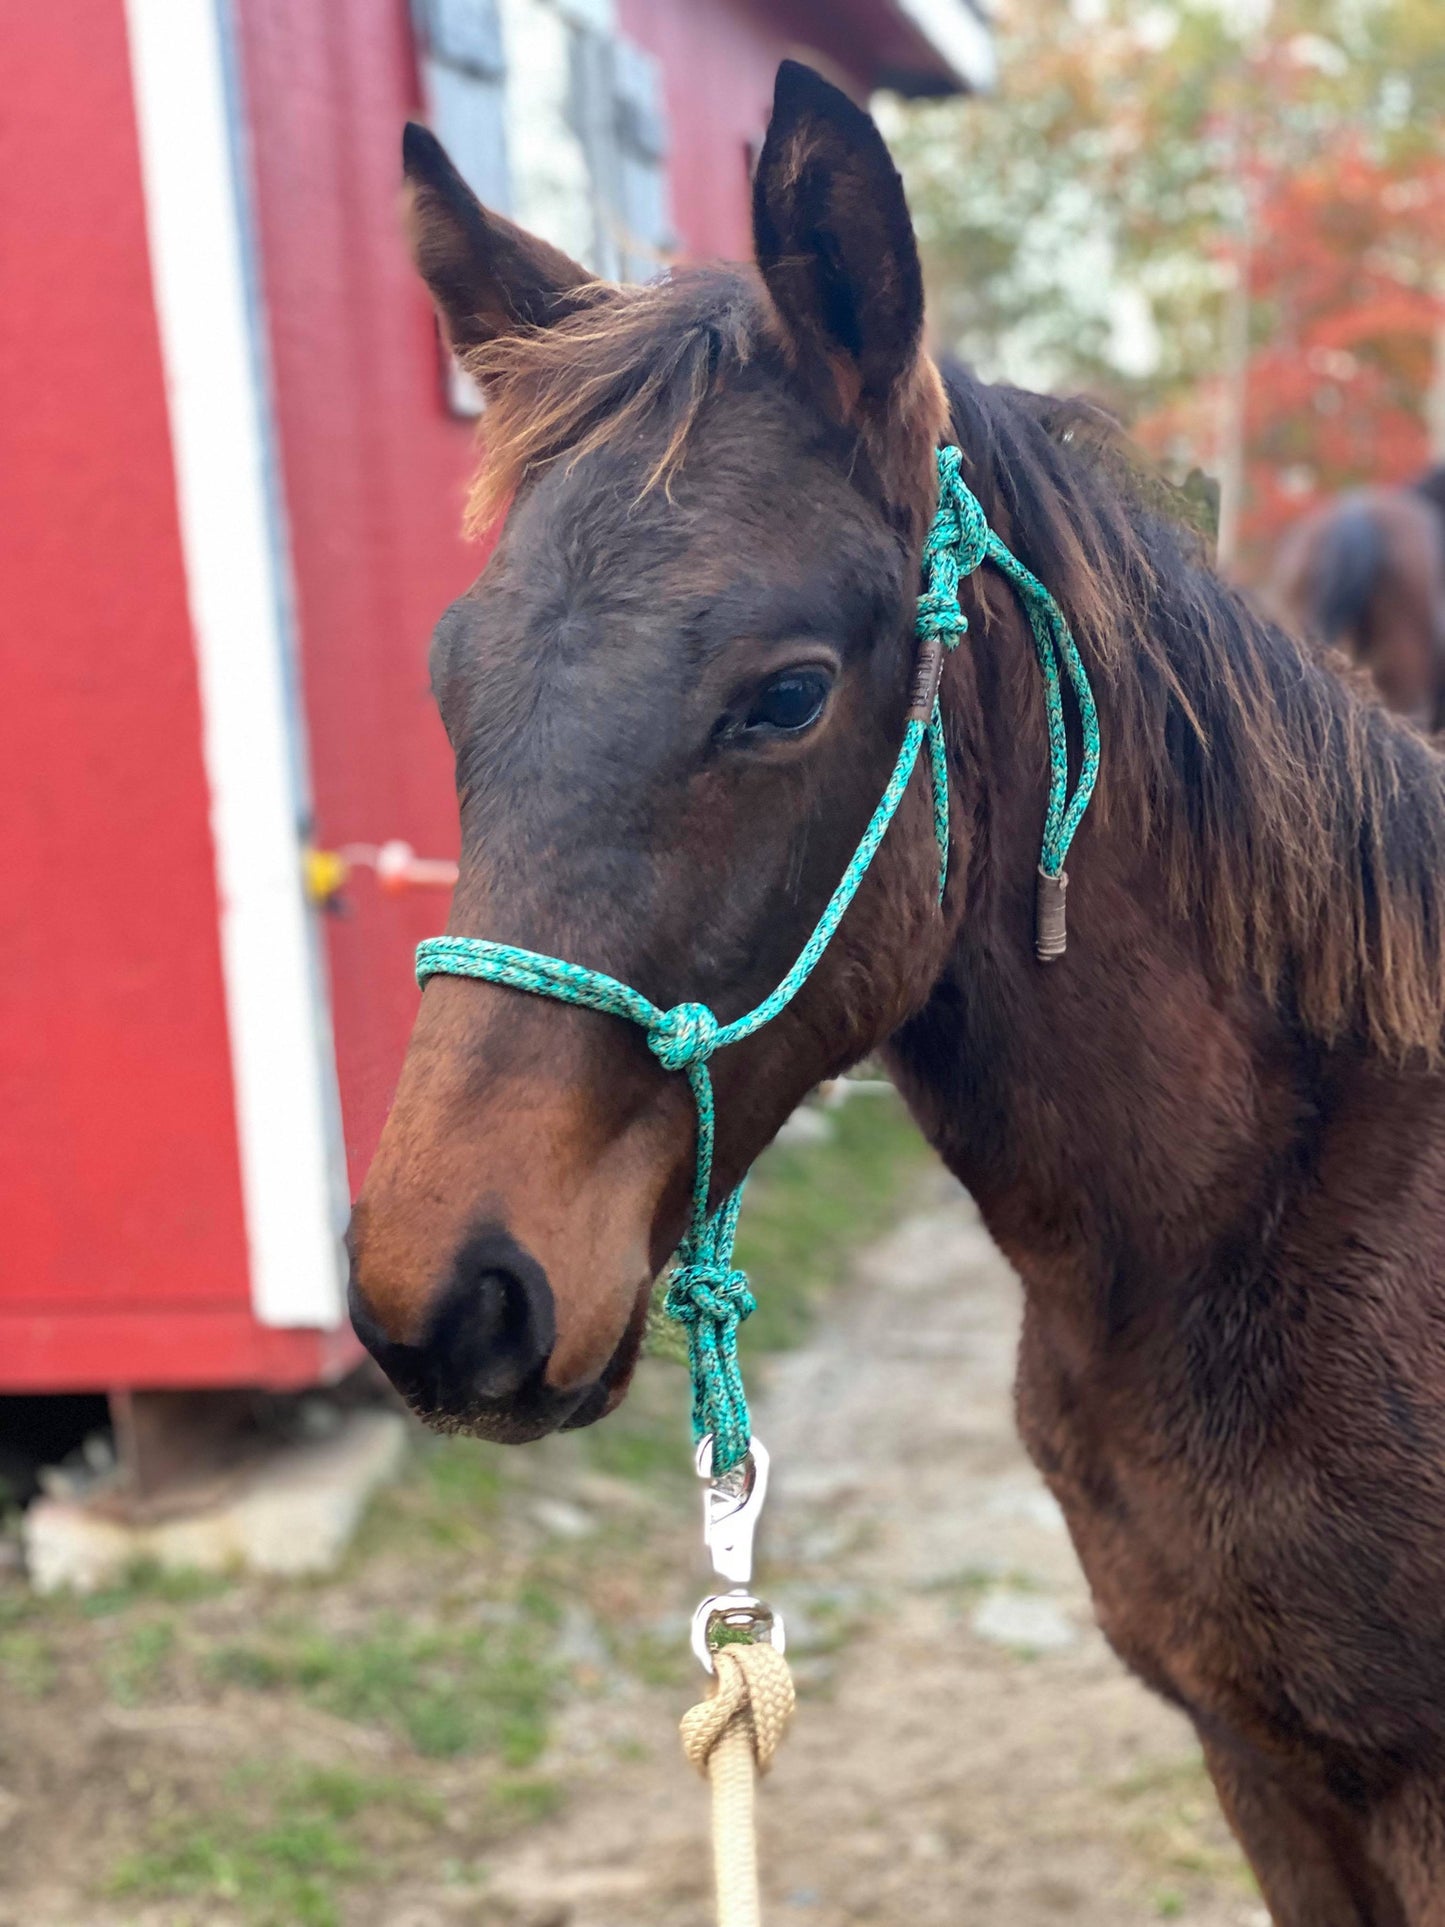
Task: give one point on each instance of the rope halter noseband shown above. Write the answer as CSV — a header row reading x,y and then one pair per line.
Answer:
x,y
706,1294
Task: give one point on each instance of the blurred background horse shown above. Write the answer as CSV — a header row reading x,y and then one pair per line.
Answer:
x,y
1366,574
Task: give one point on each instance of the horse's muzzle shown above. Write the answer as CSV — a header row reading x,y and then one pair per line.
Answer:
x,y
479,1364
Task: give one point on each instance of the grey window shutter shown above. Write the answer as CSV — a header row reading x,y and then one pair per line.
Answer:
x,y
617,111
464,76
641,126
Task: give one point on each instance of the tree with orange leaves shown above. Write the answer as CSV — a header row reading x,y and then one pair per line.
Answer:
x,y
1227,221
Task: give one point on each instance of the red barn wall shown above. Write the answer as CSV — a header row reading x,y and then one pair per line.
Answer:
x,y
118,1160
124,1258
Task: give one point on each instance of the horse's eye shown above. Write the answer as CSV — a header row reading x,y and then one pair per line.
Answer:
x,y
789,702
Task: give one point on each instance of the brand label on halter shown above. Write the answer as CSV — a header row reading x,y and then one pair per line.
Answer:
x,y
927,671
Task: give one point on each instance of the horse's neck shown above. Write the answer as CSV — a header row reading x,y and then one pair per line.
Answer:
x,y
1115,1116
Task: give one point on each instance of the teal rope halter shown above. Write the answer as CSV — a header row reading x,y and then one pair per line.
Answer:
x,y
706,1294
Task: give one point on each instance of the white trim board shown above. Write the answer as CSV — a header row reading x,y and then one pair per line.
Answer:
x,y
283,1070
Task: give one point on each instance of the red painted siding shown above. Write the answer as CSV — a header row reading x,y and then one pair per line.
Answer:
x,y
117,1144
374,472
124,1254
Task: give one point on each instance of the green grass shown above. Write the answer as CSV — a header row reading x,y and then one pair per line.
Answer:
x,y
524,1799
287,1866
146,1582
28,1663
450,1500
446,1689
133,1668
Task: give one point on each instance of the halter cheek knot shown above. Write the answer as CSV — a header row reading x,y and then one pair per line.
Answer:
x,y
710,1300
683,1036
712,1291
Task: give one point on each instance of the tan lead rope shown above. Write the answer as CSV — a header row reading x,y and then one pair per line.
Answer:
x,y
731,1737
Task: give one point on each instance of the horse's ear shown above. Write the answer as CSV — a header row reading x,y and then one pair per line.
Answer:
x,y
835,244
488,277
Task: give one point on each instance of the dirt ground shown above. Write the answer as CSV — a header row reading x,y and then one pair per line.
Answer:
x,y
967,1752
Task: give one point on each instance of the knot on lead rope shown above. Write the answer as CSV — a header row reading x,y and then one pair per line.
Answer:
x,y
939,614
683,1036
752,1691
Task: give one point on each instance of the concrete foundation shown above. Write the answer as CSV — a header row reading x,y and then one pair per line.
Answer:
x,y
293,1511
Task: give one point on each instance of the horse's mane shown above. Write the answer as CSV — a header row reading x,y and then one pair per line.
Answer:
x,y
1299,823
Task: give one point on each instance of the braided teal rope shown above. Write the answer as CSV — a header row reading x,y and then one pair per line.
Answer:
x,y
706,1294
962,539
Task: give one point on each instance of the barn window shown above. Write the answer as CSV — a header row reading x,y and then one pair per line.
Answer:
x,y
588,136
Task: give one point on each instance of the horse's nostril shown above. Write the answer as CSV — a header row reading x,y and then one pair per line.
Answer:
x,y
493,1329
483,1349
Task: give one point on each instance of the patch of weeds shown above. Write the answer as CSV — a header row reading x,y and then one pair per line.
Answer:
x,y
447,1689
28,1663
457,1472
1174,1823
288,1867
969,1581
449,1495
132,1669
17,1605
342,1794
148,1581
640,1444
524,1799
250,1666
1169,1904
1163,1776
653,1656
636,1451
279,1876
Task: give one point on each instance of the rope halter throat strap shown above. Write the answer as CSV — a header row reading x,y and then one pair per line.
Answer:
x,y
706,1294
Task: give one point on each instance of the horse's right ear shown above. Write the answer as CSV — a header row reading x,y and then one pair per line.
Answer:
x,y
487,276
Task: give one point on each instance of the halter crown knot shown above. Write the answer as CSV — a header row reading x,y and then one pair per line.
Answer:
x,y
957,544
683,1036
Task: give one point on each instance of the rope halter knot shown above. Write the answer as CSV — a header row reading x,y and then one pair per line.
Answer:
x,y
709,1291
683,1036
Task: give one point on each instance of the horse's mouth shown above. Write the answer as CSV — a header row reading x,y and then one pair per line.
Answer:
x,y
537,1409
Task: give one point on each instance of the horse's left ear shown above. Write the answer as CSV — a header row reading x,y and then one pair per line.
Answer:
x,y
835,244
